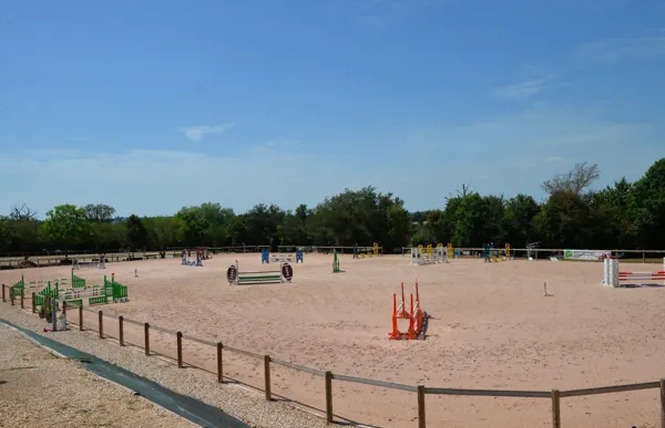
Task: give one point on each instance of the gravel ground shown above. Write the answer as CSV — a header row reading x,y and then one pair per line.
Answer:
x,y
238,401
38,389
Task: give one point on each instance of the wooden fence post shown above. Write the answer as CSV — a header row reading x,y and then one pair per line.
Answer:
x,y
22,298
81,317
220,366
64,308
421,407
4,299
178,336
34,306
266,368
662,403
556,408
11,295
121,331
329,398
101,325
146,331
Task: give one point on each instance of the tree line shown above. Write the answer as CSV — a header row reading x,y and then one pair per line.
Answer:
x,y
623,215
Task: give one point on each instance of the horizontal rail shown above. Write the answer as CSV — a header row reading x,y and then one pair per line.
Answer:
x,y
610,389
297,367
372,382
246,272
243,352
162,329
197,340
133,322
488,392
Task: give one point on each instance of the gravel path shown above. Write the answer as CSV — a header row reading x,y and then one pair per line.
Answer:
x,y
38,389
238,401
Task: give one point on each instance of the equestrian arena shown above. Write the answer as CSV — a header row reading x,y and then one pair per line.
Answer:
x,y
491,326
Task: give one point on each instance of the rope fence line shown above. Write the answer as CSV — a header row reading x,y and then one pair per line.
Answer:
x,y
421,391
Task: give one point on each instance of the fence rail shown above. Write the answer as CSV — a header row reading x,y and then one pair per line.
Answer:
x,y
610,389
488,392
421,391
389,385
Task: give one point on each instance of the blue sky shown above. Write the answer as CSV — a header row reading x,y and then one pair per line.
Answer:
x,y
153,105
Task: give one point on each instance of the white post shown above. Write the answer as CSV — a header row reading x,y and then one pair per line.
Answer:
x,y
614,272
606,272
416,256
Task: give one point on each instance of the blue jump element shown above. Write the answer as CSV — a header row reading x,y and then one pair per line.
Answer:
x,y
300,256
265,255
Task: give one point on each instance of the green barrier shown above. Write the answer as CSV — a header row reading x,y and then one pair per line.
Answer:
x,y
74,291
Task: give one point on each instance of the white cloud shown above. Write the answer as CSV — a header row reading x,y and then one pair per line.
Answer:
x,y
525,89
196,133
612,51
283,142
506,155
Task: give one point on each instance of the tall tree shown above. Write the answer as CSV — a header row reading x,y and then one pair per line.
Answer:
x,y
99,212
67,226
519,220
564,221
137,235
208,224
22,212
574,181
262,223
648,206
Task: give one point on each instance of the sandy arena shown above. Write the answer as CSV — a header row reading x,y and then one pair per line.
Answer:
x,y
491,328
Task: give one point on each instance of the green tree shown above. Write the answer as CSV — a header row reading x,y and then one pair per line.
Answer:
x,y
519,220
208,224
137,235
67,226
238,230
564,220
262,223
648,206
164,232
98,213
196,226
613,216
358,217
293,230
108,237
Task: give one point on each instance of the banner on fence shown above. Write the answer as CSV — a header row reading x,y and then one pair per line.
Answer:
x,y
584,254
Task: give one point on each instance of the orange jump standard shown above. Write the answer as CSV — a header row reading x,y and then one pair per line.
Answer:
x,y
416,316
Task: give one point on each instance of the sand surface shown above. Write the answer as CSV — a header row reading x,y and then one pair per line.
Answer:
x,y
491,327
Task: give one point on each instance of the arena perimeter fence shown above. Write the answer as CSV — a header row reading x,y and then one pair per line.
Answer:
x,y
44,260
420,391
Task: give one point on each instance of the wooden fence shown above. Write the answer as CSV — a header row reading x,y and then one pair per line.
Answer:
x,y
420,391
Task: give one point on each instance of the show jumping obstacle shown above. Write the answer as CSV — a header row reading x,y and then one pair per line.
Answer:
x,y
235,276
335,265
71,291
98,264
429,255
188,261
297,257
416,316
362,252
492,255
613,277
